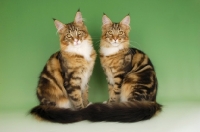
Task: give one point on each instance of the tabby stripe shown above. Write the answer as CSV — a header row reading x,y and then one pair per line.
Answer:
x,y
142,88
118,84
76,78
121,76
73,98
71,27
45,72
132,51
115,26
116,92
128,80
72,88
59,57
142,68
141,60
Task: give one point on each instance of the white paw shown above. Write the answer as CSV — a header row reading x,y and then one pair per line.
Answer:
x,y
89,104
105,102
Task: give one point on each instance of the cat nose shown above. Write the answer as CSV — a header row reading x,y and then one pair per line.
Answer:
x,y
115,40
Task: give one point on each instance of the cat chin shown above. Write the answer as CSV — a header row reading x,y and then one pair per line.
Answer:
x,y
76,45
115,44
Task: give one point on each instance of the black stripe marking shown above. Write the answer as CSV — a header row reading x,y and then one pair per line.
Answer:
x,y
49,75
72,89
121,76
117,92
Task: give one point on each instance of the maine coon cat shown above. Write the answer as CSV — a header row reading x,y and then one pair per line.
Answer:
x,y
131,80
63,82
130,73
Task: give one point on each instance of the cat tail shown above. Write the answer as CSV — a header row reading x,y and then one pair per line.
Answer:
x,y
122,112
119,112
55,114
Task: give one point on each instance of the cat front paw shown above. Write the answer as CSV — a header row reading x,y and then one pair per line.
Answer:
x,y
105,102
89,104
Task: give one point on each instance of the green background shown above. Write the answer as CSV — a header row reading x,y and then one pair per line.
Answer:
x,y
167,30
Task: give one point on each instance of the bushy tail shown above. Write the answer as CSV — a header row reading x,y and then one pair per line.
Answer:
x,y
119,112
122,112
59,115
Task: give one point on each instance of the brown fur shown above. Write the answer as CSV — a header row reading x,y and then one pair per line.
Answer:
x,y
63,83
131,80
130,74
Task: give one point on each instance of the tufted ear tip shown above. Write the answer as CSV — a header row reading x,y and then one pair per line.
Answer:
x,y
106,20
59,25
126,20
78,18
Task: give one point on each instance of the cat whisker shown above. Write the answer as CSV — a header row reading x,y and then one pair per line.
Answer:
x,y
135,44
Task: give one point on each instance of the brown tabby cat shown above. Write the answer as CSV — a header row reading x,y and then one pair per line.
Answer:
x,y
130,74
63,83
131,80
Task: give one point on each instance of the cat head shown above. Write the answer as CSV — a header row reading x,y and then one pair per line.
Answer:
x,y
115,34
72,34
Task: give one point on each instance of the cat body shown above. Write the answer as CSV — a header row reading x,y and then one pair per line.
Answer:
x,y
130,73
132,82
131,77
63,83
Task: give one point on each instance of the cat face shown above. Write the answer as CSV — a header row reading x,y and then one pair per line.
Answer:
x,y
115,34
72,34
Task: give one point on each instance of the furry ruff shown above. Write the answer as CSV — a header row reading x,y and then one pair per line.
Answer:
x,y
119,112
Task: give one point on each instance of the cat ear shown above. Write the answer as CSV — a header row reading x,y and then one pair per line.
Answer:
x,y
106,20
78,18
126,20
59,25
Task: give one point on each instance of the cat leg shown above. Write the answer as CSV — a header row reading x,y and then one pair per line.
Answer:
x,y
74,92
114,94
115,88
85,96
76,99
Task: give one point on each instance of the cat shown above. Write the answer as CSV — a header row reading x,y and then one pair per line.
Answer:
x,y
131,76
63,82
131,80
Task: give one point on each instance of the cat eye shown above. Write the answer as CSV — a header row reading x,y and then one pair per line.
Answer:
x,y
110,32
79,32
68,35
121,32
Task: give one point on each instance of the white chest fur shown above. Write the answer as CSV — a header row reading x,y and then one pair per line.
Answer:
x,y
84,49
110,50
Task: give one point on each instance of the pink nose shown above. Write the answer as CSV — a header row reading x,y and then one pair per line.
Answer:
x,y
115,40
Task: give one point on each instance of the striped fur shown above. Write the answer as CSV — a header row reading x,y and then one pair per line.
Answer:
x,y
63,83
130,73
131,80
